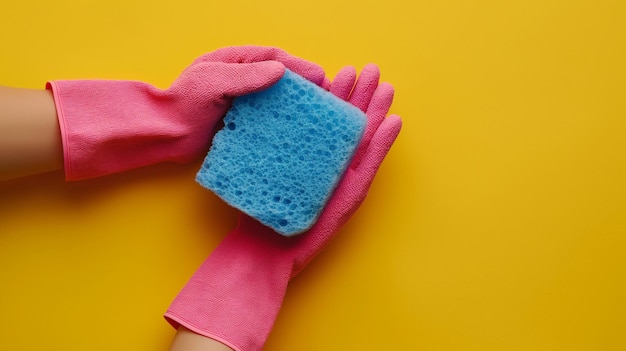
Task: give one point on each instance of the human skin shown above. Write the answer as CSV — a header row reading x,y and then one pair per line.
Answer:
x,y
33,145
30,143
186,340
30,139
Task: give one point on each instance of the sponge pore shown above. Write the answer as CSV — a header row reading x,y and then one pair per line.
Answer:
x,y
282,152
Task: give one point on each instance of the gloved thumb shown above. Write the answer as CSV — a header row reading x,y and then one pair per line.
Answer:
x,y
235,79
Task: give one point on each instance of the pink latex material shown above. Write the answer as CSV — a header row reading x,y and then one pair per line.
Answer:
x,y
236,294
112,126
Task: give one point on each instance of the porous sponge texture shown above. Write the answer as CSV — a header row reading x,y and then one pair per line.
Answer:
x,y
282,152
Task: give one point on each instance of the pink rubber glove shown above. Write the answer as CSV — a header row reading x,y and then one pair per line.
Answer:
x,y
236,294
113,126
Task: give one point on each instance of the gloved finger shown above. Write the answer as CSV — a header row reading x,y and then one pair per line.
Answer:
x,y
326,84
231,80
248,54
376,111
343,83
378,108
365,86
380,104
377,150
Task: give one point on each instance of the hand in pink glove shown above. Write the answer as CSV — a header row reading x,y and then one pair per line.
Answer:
x,y
236,294
112,126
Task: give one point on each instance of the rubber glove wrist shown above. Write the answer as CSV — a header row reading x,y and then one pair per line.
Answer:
x,y
113,126
236,294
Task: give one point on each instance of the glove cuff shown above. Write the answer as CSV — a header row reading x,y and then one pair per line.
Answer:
x,y
236,294
113,126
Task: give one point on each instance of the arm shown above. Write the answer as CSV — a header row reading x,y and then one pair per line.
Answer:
x,y
113,126
30,140
186,340
30,143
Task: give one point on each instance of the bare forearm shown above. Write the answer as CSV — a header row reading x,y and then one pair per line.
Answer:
x,y
30,140
30,143
186,340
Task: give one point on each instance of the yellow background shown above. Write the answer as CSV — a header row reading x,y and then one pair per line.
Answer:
x,y
496,223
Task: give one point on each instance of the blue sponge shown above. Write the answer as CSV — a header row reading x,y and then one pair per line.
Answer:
x,y
282,152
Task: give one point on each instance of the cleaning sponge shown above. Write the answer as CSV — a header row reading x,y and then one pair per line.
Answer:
x,y
282,152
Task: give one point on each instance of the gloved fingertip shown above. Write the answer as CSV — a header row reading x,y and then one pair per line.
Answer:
x,y
388,131
371,68
273,69
244,78
346,71
386,88
315,74
395,123
344,82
